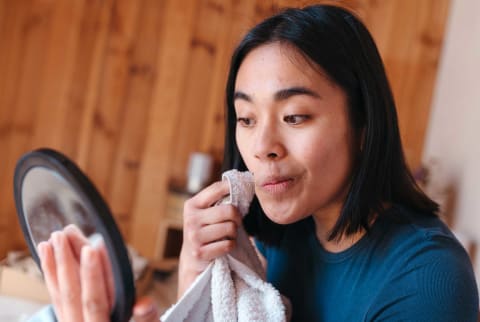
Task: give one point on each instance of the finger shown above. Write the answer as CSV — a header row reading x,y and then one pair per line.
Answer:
x,y
94,290
211,251
210,216
67,277
47,262
145,310
221,213
107,272
208,196
216,232
76,239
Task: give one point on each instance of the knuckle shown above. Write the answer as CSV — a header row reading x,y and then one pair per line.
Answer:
x,y
229,245
193,236
188,205
232,212
198,254
188,224
93,306
231,228
69,295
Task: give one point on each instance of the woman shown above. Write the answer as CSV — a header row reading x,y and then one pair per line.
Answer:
x,y
345,232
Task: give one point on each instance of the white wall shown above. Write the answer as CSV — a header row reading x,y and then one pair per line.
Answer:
x,y
453,136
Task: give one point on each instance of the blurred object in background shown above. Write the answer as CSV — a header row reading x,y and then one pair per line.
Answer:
x,y
200,167
430,177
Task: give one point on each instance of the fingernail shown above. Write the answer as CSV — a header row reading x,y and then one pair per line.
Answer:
x,y
96,240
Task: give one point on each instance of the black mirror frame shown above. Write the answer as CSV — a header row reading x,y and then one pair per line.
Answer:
x,y
104,222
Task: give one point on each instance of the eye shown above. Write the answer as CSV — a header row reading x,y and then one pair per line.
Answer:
x,y
295,119
245,121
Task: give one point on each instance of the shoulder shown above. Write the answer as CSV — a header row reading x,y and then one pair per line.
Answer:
x,y
431,275
420,237
423,242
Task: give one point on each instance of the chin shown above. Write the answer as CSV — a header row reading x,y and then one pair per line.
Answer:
x,y
282,219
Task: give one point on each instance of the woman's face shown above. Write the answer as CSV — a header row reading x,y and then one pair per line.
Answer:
x,y
294,134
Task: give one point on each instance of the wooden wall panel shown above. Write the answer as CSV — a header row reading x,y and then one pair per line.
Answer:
x,y
129,89
132,134
165,111
10,68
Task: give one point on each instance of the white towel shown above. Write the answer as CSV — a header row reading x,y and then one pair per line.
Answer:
x,y
232,287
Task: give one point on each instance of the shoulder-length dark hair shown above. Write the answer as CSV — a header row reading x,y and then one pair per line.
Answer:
x,y
338,42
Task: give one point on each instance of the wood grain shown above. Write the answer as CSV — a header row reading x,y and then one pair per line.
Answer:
x,y
129,89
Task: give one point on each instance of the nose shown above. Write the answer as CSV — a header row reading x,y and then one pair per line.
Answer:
x,y
268,143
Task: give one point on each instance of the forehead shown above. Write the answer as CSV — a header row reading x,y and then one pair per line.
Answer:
x,y
274,66
278,65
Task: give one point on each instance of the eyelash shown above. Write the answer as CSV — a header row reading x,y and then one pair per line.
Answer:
x,y
244,121
293,119
289,119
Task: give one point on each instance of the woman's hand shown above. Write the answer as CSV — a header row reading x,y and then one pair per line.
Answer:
x,y
208,232
79,279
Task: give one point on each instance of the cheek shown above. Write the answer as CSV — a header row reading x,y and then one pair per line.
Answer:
x,y
330,162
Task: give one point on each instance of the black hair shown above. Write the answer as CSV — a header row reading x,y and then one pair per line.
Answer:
x,y
337,41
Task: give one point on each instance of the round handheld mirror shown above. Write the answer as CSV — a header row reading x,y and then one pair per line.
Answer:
x,y
51,192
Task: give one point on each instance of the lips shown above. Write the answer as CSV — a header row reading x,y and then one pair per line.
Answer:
x,y
277,184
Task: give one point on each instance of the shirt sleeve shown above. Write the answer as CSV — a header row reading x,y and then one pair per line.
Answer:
x,y
439,287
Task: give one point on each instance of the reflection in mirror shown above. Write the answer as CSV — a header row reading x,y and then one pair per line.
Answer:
x,y
50,204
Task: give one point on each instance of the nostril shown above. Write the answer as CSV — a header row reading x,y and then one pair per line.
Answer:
x,y
272,155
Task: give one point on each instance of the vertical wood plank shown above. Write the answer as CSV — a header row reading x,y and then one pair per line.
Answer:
x,y
11,49
61,49
203,53
238,17
419,81
84,83
380,18
113,82
28,60
132,130
106,120
164,112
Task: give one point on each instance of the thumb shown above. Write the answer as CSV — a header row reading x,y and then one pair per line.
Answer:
x,y
145,310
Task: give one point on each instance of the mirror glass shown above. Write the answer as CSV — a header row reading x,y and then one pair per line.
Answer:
x,y
51,193
51,204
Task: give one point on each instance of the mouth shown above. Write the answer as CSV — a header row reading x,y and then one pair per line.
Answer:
x,y
277,185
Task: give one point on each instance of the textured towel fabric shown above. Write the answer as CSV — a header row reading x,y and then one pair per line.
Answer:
x,y
232,287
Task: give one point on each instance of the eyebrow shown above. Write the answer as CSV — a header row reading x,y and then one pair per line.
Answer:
x,y
280,95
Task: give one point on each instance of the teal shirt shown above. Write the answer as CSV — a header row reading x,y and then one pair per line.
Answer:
x,y
409,267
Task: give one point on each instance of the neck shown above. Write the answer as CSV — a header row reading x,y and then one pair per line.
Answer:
x,y
324,223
